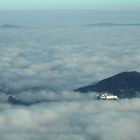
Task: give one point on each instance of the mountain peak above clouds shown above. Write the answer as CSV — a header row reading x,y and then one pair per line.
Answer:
x,y
124,85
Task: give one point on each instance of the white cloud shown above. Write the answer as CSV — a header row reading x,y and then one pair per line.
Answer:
x,y
46,64
63,57
87,119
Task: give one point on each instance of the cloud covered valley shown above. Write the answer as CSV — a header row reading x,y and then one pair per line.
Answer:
x,y
46,64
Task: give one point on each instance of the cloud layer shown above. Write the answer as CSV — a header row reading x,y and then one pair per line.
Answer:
x,y
84,120
46,64
66,57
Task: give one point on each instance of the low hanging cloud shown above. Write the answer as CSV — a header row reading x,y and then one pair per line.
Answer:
x,y
44,65
65,58
85,119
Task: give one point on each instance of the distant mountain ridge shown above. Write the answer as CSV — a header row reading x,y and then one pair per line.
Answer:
x,y
5,26
114,24
124,85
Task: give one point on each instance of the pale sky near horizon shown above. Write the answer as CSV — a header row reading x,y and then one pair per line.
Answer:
x,y
69,4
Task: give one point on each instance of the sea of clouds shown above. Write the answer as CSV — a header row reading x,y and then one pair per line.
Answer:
x,y
77,120
46,64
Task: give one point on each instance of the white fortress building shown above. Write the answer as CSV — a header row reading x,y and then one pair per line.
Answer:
x,y
107,96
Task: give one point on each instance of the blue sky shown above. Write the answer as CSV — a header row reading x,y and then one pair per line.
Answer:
x,y
69,4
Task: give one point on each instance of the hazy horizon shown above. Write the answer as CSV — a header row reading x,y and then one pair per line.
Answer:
x,y
67,17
